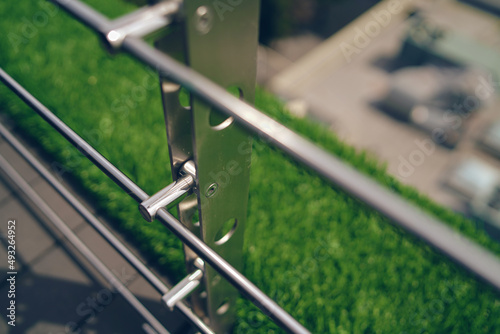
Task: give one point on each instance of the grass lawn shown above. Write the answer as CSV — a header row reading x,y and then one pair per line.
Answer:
x,y
332,262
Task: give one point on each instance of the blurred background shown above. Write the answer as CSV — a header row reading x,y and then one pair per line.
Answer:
x,y
414,83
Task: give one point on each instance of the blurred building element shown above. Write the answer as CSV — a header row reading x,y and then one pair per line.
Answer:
x,y
492,6
284,18
426,42
473,178
478,184
282,53
489,140
406,81
431,98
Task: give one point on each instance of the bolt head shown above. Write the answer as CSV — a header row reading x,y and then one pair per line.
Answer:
x,y
211,190
204,19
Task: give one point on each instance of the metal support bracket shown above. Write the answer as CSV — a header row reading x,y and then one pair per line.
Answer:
x,y
185,287
170,193
220,43
141,23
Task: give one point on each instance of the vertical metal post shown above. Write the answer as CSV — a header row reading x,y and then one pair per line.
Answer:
x,y
219,40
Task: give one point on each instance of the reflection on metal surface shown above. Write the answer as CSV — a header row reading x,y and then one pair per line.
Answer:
x,y
169,194
204,19
260,299
142,22
182,289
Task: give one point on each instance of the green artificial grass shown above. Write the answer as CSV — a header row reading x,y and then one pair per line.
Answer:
x,y
329,260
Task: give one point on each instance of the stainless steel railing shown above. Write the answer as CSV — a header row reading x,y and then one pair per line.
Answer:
x,y
266,304
465,252
95,223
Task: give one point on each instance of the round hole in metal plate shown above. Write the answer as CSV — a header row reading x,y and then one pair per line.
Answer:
x,y
224,306
195,218
216,280
216,119
226,231
184,98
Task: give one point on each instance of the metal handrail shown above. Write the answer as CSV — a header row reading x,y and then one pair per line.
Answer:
x,y
108,275
462,250
99,227
469,254
259,298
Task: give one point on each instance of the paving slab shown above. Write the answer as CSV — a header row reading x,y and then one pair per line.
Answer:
x,y
107,254
113,315
57,289
152,300
31,238
58,264
22,167
5,191
104,251
57,203
47,303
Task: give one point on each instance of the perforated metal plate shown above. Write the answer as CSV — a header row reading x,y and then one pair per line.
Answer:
x,y
221,39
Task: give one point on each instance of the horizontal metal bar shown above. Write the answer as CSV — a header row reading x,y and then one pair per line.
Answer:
x,y
142,22
81,209
182,289
99,227
166,196
111,171
118,286
462,250
261,300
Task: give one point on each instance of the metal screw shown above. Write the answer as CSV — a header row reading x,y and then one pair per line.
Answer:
x,y
211,190
203,19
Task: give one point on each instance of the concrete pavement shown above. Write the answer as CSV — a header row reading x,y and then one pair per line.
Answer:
x,y
57,291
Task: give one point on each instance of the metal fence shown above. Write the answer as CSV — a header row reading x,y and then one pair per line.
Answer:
x,y
126,34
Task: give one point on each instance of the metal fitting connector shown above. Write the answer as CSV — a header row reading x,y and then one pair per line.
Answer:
x,y
182,289
170,193
141,23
